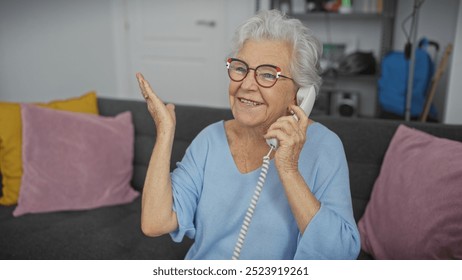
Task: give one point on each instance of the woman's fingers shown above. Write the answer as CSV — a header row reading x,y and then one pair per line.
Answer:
x,y
290,130
145,87
291,134
164,116
142,86
285,126
301,116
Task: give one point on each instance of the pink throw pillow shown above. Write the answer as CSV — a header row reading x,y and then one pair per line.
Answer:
x,y
74,161
415,210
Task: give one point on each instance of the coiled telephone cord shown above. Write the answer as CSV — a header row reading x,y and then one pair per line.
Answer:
x,y
253,204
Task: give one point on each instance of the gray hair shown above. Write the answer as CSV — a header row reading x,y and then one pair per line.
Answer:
x,y
273,25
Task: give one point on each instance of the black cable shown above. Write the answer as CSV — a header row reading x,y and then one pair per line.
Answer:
x,y
411,16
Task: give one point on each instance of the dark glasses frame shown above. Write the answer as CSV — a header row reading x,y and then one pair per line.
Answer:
x,y
277,68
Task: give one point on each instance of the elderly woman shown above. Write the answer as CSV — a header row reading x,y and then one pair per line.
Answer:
x,y
304,210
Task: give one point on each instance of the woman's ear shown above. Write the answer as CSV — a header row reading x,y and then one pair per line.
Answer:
x,y
294,101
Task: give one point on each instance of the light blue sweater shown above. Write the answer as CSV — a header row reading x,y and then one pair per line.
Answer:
x,y
211,198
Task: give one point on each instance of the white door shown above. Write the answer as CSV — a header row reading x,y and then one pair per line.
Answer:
x,y
180,47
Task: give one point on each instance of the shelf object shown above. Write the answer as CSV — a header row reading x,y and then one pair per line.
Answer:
x,y
387,19
350,29
323,15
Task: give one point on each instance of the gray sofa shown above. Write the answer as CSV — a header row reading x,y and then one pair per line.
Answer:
x,y
114,232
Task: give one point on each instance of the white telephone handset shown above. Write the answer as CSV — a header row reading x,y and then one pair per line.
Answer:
x,y
305,99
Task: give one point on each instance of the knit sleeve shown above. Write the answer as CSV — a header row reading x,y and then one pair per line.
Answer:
x,y
332,233
187,182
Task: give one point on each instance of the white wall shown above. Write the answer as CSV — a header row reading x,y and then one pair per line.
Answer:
x,y
454,101
53,49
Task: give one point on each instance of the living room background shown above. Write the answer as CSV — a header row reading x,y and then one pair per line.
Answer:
x,y
53,49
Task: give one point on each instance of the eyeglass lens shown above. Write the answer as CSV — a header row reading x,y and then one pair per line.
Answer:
x,y
265,75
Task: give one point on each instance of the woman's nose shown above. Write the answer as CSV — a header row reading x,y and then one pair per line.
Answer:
x,y
249,81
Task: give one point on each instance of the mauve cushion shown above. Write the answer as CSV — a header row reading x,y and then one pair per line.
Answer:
x,y
415,210
74,161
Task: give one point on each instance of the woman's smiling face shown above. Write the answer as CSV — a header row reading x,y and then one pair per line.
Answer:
x,y
256,106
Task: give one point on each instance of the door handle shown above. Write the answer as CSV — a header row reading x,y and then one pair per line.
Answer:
x,y
208,23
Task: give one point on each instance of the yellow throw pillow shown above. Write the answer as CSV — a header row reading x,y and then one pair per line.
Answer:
x,y
11,139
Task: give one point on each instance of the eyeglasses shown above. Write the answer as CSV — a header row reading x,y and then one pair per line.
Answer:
x,y
266,75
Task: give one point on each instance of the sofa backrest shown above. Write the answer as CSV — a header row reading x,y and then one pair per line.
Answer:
x,y
366,142
190,121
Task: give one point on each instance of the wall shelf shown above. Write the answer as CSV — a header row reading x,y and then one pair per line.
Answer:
x,y
352,25
335,16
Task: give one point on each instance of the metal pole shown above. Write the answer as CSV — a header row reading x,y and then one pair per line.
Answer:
x,y
410,81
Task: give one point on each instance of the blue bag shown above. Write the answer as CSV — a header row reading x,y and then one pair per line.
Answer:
x,y
394,78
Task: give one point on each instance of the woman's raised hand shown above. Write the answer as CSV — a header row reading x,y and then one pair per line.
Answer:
x,y
163,115
157,217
